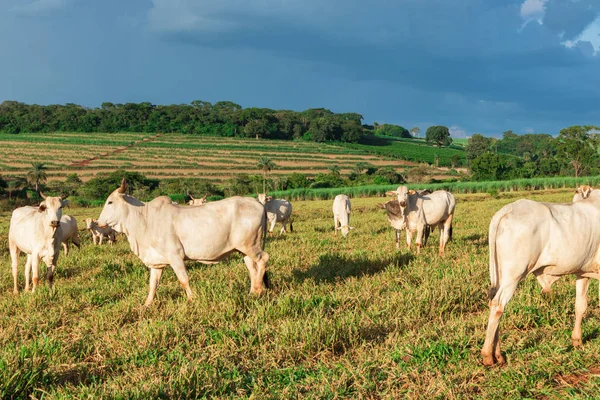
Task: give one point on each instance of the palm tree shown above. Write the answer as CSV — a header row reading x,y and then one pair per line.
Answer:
x,y
265,164
335,170
360,167
37,174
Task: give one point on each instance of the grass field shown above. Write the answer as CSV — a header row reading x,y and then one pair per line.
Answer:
x,y
175,155
347,318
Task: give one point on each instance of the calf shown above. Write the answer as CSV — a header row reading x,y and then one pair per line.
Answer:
x,y
68,224
98,232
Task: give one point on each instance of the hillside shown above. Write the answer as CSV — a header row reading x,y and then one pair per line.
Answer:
x,y
214,158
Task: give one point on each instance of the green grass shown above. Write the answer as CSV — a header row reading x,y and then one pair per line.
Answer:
x,y
347,318
416,150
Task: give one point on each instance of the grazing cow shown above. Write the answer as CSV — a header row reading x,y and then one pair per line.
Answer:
x,y
341,214
162,234
197,202
98,232
278,210
396,218
423,209
68,225
36,231
549,241
582,192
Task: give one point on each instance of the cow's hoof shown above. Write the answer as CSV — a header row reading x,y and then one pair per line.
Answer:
x,y
577,343
488,361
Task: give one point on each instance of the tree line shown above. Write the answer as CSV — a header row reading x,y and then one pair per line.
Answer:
x,y
224,118
574,152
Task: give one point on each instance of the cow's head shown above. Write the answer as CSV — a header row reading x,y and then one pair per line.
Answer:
x,y
263,198
584,191
116,208
88,223
394,211
52,208
401,194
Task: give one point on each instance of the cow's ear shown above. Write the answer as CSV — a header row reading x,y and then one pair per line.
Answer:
x,y
380,205
65,203
269,198
411,192
42,207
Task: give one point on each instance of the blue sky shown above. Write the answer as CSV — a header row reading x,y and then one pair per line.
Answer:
x,y
476,66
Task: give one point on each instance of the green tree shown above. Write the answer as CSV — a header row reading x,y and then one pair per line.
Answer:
x,y
440,135
265,164
415,131
456,160
578,146
477,145
488,167
37,175
334,170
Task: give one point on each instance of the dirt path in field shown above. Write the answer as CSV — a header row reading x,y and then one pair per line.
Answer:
x,y
87,161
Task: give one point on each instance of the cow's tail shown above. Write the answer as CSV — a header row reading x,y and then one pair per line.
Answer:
x,y
265,222
493,233
291,225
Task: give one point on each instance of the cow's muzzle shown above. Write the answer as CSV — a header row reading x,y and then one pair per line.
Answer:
x,y
402,204
55,224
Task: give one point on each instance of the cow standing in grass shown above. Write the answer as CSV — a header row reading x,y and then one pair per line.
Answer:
x,y
341,214
36,231
278,210
545,239
162,234
68,225
424,209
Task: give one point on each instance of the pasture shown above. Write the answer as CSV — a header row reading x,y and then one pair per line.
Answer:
x,y
352,318
176,155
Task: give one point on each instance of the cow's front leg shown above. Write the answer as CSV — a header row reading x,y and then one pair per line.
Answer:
x,y
35,266
182,275
14,258
397,238
101,237
408,237
335,225
155,274
581,287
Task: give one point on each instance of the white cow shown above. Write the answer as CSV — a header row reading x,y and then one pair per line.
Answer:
x,y
278,210
423,209
549,241
162,234
341,214
68,225
397,220
98,232
582,192
36,231
197,202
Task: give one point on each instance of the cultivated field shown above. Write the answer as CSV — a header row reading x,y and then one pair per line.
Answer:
x,y
175,155
352,318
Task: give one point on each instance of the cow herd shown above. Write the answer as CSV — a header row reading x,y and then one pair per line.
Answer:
x,y
526,237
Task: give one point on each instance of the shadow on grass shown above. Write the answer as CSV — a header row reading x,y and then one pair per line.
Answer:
x,y
476,239
336,267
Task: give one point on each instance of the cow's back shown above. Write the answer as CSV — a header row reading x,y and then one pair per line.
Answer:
x,y
562,236
437,206
207,232
279,209
341,204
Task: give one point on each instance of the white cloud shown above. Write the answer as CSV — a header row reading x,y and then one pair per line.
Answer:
x,y
38,7
533,10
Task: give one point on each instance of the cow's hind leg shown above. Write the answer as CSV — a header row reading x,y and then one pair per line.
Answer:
x,y
408,237
65,248
182,275
27,272
581,302
14,258
445,230
491,346
155,274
